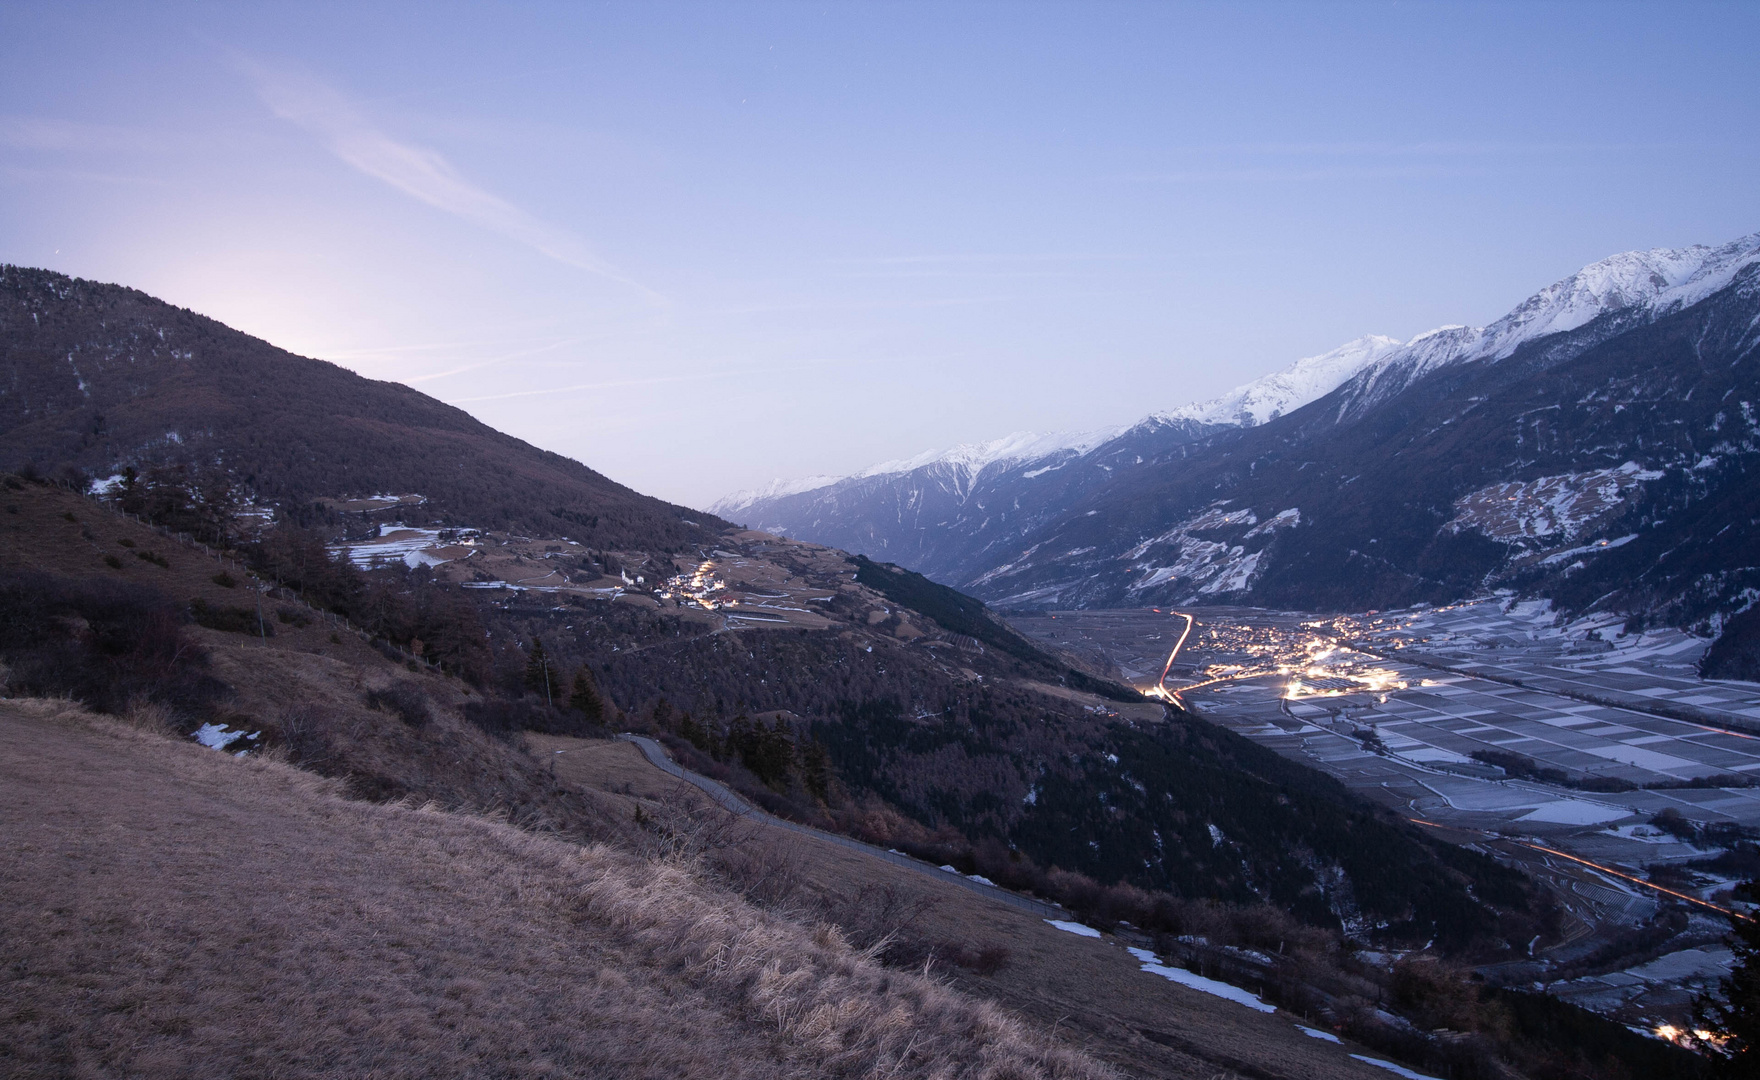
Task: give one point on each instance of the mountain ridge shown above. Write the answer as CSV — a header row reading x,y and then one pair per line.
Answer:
x,y
99,377
1655,281
1623,363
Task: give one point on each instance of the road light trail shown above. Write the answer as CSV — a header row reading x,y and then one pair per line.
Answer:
x,y
1162,683
1598,868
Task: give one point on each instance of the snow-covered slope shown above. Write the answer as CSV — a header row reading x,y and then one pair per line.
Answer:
x,y
959,465
1253,403
1639,286
1656,282
1635,287
1284,391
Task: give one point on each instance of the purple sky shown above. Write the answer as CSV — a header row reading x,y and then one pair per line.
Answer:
x,y
702,246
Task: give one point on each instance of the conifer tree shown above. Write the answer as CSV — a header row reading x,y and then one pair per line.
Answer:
x,y
585,698
816,768
538,675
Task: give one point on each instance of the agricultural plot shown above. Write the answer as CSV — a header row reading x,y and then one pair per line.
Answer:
x,y
1552,746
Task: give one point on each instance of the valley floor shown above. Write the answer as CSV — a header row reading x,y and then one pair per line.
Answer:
x,y
1396,705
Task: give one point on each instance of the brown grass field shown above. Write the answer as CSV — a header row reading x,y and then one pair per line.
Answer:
x,y
1091,992
171,911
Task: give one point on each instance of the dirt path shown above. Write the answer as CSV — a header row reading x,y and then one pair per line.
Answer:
x,y
728,800
1090,990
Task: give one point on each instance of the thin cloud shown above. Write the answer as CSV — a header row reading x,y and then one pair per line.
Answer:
x,y
417,171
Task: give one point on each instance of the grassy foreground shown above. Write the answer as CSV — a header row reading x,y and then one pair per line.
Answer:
x,y
171,911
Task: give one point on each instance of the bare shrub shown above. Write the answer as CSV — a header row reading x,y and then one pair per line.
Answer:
x,y
1435,994
150,716
880,918
405,700
980,960
305,733
687,832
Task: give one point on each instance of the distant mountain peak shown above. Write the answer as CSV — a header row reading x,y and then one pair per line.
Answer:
x,y
1659,280
1639,285
964,462
1246,405
1273,395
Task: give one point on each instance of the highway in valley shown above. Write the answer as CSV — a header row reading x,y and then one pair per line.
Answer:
x,y
1553,747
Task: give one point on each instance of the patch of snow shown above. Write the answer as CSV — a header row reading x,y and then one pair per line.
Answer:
x,y
107,485
1587,549
1653,760
395,543
1316,1033
949,869
1198,982
1285,519
1214,566
1236,575
1400,1070
1430,755
219,737
981,879
1074,928
1576,812
1550,506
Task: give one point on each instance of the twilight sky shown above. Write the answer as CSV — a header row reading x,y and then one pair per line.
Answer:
x,y
700,246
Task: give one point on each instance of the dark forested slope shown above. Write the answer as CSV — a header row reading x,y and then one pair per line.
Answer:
x,y
99,377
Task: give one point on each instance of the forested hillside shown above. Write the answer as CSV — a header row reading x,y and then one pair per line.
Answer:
x,y
846,692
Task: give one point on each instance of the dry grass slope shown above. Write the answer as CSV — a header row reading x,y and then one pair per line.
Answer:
x,y
170,911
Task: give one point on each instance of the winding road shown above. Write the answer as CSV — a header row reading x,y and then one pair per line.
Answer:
x,y
728,800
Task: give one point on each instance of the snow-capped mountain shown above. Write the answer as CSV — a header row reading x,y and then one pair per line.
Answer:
x,y
1636,286
1623,291
962,463
944,509
1381,472
1285,391
1252,403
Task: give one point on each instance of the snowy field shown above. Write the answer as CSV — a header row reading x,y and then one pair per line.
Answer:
x,y
1405,707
